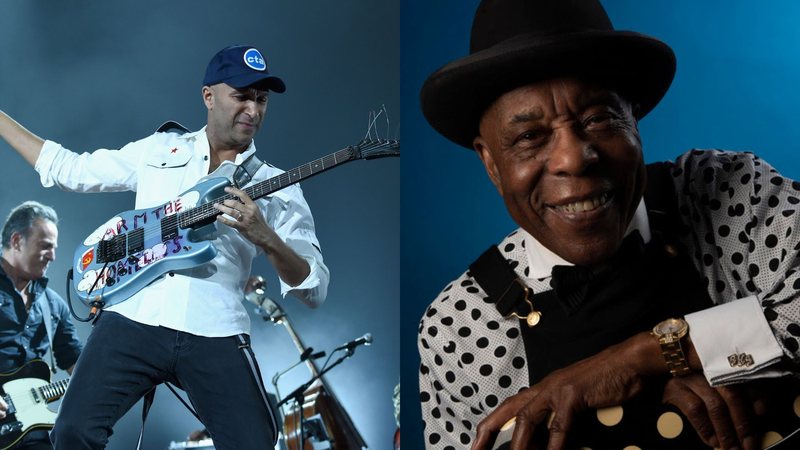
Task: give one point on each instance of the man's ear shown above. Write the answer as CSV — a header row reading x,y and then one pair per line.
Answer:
x,y
635,111
15,242
208,96
485,154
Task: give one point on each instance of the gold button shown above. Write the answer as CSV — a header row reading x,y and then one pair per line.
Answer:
x,y
610,416
669,425
770,437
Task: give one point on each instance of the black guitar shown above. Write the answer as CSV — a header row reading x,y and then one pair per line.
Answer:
x,y
27,391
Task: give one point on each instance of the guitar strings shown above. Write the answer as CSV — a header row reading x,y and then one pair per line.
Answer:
x,y
206,210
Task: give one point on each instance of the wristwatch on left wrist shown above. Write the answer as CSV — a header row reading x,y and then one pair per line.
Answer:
x,y
669,334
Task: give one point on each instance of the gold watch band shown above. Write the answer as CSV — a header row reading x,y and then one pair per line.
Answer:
x,y
675,358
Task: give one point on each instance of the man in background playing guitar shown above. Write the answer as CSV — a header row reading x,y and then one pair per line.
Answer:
x,y
29,240
188,327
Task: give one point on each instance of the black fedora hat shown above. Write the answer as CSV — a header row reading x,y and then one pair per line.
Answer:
x,y
518,42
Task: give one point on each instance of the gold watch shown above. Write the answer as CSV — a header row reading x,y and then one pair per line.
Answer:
x,y
669,334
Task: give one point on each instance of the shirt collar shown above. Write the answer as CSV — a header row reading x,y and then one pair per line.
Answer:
x,y
239,157
36,286
541,260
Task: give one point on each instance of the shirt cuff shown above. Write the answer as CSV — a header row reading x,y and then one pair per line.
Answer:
x,y
313,289
734,342
45,161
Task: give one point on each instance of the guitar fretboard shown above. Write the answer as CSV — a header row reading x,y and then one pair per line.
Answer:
x,y
207,211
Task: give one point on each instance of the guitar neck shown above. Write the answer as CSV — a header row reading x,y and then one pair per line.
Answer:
x,y
203,213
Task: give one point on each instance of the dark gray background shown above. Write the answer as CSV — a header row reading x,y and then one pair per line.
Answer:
x,y
101,74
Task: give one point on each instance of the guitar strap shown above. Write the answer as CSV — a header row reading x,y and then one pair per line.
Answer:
x,y
147,402
246,170
247,352
47,318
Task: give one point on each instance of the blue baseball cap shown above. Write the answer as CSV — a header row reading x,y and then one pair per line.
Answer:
x,y
241,66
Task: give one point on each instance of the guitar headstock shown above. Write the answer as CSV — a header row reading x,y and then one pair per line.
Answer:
x,y
373,146
376,148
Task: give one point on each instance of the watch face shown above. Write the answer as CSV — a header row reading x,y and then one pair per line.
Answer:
x,y
669,326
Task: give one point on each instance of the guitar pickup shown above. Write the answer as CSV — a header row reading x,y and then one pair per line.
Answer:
x,y
136,241
111,250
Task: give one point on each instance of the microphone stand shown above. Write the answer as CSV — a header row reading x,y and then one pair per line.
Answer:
x,y
342,427
299,394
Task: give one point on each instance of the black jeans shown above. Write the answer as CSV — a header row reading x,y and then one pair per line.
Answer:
x,y
123,359
35,440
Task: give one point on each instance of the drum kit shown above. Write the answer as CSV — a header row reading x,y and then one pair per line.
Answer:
x,y
314,419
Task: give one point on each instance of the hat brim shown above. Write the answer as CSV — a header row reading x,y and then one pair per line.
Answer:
x,y
264,82
638,67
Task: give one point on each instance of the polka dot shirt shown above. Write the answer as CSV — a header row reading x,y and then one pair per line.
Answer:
x,y
739,217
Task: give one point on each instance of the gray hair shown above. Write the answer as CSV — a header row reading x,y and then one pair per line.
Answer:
x,y
21,219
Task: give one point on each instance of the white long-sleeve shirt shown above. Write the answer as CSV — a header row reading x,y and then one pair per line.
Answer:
x,y
205,300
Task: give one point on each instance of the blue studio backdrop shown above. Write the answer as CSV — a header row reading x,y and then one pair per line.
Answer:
x,y
735,88
101,74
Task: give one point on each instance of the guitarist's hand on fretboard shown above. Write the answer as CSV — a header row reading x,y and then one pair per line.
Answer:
x,y
248,220
243,214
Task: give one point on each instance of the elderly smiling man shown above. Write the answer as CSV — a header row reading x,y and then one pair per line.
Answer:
x,y
624,284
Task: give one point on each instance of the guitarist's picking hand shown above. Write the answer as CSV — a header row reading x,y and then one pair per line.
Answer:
x,y
3,408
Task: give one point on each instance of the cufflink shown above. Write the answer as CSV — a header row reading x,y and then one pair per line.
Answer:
x,y
740,360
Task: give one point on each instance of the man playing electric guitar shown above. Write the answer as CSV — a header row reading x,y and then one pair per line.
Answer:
x,y
188,327
29,240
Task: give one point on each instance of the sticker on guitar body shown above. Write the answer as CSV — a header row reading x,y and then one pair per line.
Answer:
x,y
119,225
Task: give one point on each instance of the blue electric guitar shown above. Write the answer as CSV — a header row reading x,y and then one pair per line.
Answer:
x,y
136,247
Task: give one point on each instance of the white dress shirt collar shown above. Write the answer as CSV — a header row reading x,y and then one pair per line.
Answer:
x,y
541,260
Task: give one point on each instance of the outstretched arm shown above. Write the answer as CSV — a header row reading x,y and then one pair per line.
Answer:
x,y
27,144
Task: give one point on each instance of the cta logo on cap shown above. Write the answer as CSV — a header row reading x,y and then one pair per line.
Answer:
x,y
254,60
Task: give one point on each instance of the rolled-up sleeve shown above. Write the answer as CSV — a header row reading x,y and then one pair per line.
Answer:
x,y
289,215
102,170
